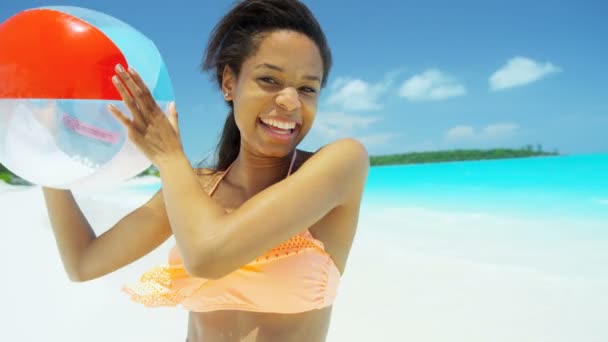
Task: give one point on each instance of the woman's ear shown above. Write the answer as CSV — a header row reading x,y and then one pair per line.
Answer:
x,y
228,83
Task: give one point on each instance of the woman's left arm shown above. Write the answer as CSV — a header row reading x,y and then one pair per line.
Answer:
x,y
219,243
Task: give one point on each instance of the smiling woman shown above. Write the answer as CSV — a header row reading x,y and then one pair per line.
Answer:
x,y
263,237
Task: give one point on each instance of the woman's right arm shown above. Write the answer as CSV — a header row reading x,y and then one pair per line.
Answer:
x,y
86,256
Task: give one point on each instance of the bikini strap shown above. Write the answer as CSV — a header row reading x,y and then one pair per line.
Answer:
x,y
293,159
217,183
220,179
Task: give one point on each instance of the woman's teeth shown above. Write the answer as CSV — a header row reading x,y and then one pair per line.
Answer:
x,y
279,127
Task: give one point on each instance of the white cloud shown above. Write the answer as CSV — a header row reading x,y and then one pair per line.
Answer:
x,y
459,132
354,94
493,131
339,124
347,95
431,85
520,71
330,126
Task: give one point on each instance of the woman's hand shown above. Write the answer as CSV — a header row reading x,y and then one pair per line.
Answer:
x,y
155,134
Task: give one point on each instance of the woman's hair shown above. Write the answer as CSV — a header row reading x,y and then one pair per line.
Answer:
x,y
237,37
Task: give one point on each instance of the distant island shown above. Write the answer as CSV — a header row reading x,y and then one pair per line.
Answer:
x,y
458,155
380,160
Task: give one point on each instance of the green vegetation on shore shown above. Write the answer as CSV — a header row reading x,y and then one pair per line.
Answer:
x,y
393,159
457,155
9,177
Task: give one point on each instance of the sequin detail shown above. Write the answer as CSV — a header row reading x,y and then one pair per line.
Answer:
x,y
154,287
292,246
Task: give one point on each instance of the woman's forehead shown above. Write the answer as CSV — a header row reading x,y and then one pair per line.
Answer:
x,y
288,51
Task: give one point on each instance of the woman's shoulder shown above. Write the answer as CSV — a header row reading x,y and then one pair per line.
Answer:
x,y
348,149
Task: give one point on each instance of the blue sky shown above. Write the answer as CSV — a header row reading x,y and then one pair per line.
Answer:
x,y
412,76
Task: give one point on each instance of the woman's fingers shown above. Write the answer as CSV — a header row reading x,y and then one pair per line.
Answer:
x,y
172,112
139,100
120,116
145,95
134,134
131,129
139,120
140,92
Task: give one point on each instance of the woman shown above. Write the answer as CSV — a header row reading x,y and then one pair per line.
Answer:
x,y
261,240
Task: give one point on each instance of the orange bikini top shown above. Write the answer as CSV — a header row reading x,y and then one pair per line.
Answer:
x,y
295,276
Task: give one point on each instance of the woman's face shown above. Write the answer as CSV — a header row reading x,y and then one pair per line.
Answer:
x,y
275,96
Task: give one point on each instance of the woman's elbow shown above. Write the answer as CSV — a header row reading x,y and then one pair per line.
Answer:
x,y
203,266
81,274
204,270
77,277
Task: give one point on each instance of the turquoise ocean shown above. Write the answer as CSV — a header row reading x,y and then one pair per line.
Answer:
x,y
563,186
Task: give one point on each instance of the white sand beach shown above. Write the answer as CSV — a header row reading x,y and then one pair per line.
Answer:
x,y
414,275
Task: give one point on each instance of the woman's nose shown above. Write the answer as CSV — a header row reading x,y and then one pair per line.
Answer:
x,y
288,99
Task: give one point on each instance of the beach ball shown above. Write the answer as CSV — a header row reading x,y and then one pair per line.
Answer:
x,y
56,65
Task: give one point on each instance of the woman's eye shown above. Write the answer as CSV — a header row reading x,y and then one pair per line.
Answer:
x,y
268,80
272,81
308,90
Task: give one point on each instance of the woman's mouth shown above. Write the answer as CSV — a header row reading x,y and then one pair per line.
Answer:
x,y
278,133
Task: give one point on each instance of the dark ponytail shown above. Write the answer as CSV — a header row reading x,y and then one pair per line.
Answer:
x,y
237,36
230,143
